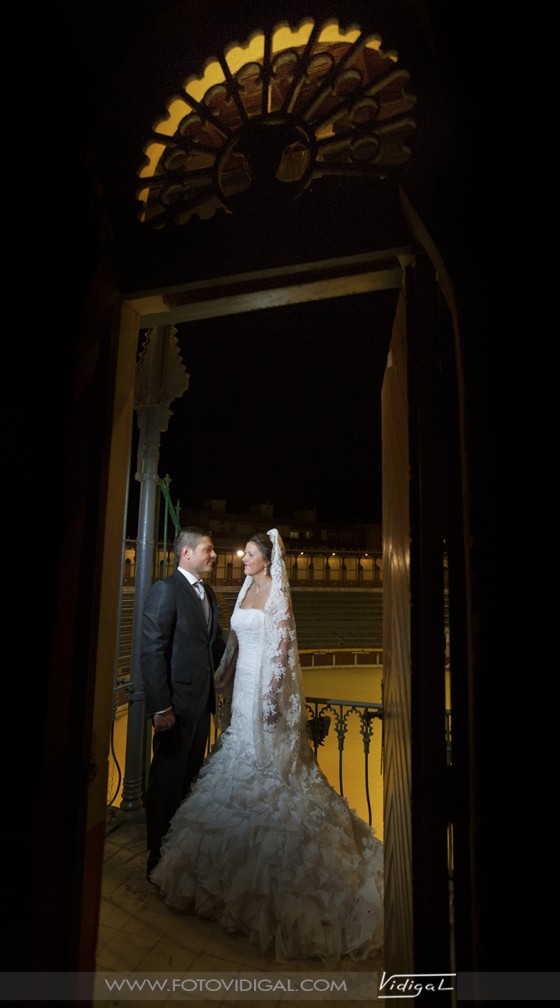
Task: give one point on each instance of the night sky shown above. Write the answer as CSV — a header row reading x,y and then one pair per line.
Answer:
x,y
283,407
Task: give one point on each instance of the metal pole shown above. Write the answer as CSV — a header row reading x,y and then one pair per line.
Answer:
x,y
165,483
149,420
160,378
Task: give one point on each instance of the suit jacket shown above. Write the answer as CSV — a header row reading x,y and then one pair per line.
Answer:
x,y
179,650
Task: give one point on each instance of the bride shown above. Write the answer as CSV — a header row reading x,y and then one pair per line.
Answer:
x,y
263,843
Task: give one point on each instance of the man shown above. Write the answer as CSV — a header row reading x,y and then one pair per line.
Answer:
x,y
182,644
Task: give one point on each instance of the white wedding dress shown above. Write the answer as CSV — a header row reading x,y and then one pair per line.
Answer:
x,y
280,857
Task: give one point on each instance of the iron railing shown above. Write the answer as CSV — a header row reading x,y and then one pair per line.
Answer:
x,y
320,710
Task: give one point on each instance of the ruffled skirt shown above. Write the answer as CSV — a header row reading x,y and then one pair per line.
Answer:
x,y
288,864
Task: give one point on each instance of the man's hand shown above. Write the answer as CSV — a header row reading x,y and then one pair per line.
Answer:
x,y
163,722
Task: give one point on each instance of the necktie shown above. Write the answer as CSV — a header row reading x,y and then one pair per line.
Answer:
x,y
199,585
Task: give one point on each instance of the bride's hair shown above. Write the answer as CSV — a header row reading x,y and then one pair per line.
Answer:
x,y
264,543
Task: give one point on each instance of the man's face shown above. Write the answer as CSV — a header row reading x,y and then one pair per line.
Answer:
x,y
200,560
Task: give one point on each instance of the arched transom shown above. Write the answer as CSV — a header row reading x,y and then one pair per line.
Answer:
x,y
268,117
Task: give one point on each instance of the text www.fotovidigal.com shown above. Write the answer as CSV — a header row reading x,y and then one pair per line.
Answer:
x,y
254,986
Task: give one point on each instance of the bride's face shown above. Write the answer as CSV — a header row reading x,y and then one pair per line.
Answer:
x,y
253,560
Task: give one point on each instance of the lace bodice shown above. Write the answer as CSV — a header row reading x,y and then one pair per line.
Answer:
x,y
248,625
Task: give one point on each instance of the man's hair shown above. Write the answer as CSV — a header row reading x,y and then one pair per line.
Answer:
x,y
189,536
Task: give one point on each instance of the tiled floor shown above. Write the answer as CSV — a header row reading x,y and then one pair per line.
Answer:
x,y
139,934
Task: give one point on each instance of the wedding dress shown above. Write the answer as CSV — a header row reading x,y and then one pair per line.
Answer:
x,y
263,843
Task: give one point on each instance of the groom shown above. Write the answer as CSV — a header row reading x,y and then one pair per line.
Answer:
x,y
182,644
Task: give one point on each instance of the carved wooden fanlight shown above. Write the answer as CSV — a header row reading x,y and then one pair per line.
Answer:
x,y
265,119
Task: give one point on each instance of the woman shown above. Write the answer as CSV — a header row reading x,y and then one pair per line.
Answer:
x,y
263,843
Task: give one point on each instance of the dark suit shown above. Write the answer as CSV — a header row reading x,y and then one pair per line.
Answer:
x,y
180,652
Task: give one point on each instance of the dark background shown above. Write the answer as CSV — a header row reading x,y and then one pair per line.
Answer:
x,y
283,407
